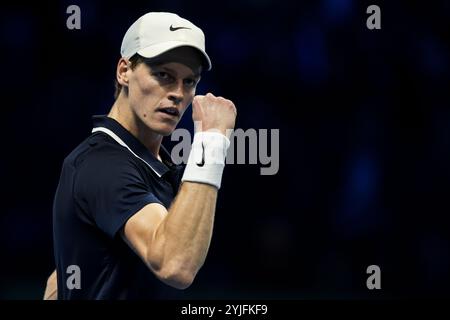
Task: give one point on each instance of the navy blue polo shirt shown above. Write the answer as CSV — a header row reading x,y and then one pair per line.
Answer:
x,y
108,178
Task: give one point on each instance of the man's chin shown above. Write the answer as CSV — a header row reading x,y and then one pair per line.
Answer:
x,y
165,134
166,131
164,128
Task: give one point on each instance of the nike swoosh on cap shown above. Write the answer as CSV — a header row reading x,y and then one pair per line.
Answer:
x,y
177,28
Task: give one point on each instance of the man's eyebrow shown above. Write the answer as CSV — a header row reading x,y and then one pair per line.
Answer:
x,y
195,75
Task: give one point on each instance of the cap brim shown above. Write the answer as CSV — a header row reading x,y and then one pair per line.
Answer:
x,y
157,49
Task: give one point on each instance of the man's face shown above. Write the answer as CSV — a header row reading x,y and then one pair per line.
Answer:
x,y
160,93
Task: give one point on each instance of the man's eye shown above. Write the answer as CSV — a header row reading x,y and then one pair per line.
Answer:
x,y
190,82
162,75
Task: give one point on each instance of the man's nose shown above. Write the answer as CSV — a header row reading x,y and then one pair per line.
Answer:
x,y
176,93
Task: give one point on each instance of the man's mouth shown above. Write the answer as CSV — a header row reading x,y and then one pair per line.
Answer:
x,y
172,111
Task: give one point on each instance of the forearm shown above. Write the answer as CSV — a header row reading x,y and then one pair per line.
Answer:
x,y
179,245
183,237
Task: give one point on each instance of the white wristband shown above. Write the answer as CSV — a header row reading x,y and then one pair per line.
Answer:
x,y
207,158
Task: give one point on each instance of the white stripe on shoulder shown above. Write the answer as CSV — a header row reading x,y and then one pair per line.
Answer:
x,y
123,144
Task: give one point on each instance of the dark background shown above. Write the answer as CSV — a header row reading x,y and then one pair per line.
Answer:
x,y
364,120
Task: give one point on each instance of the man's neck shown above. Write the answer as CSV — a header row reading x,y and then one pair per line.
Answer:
x,y
121,112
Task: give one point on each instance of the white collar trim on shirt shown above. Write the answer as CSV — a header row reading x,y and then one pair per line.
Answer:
x,y
123,144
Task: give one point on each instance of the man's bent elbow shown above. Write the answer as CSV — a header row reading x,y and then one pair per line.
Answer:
x,y
177,277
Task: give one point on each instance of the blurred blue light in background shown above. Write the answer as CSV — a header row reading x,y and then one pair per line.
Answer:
x,y
434,59
337,11
357,213
312,57
230,46
362,178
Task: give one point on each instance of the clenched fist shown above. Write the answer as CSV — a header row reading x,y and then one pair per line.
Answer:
x,y
213,113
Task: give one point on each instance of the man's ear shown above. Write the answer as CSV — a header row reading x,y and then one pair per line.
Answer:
x,y
121,72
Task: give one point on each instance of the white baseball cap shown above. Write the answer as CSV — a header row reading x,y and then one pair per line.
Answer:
x,y
157,32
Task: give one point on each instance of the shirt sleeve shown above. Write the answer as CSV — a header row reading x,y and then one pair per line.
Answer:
x,y
110,189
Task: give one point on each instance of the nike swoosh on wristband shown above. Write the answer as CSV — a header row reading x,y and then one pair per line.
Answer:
x,y
177,28
201,164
